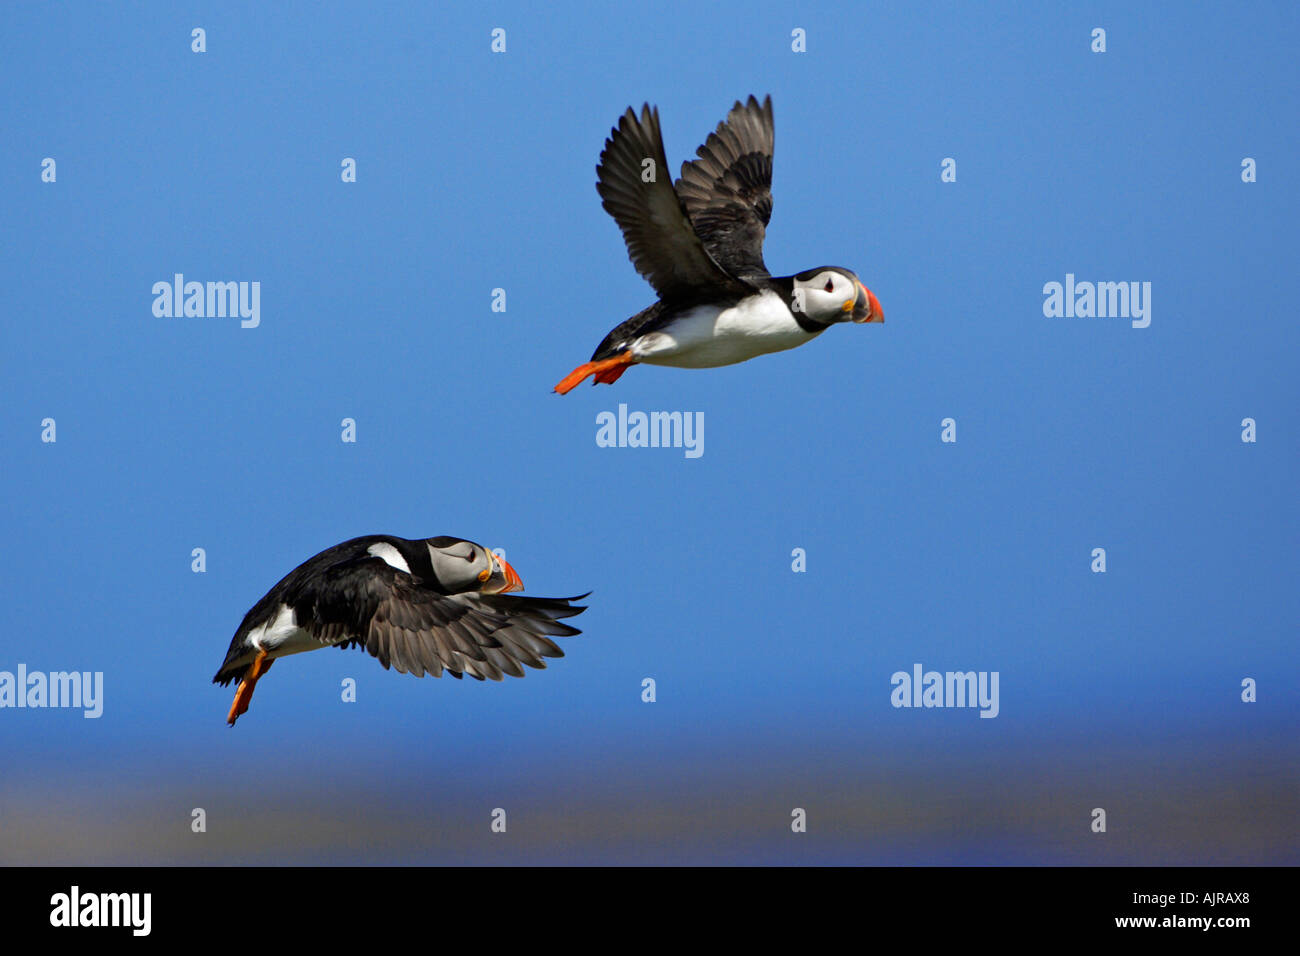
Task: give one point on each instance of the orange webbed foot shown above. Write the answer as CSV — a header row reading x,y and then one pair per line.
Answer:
x,y
606,370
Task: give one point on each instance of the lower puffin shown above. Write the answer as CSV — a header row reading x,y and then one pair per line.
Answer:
x,y
420,606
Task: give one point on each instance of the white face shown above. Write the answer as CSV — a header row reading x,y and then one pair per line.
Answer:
x,y
461,565
826,296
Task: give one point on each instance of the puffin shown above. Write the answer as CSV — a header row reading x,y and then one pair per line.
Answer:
x,y
421,606
699,243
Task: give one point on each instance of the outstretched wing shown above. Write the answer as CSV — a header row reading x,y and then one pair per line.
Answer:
x,y
418,631
366,602
728,190
636,189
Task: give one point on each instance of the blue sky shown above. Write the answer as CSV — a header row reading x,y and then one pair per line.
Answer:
x,y
475,171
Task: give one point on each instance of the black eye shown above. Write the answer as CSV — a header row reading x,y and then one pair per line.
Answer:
x,y
830,285
470,557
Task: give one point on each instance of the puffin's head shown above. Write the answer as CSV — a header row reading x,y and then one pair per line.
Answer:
x,y
830,294
462,565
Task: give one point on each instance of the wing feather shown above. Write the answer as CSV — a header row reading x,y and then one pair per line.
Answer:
x,y
419,630
727,191
661,242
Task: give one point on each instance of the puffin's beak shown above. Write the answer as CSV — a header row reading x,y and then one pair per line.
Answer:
x,y
513,581
867,307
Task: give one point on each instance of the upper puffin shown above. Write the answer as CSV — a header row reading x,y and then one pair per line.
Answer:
x,y
421,605
700,244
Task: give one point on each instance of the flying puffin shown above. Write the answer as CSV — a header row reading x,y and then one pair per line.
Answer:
x,y
420,606
700,244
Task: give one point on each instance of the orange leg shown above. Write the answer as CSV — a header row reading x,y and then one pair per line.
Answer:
x,y
606,370
261,664
609,376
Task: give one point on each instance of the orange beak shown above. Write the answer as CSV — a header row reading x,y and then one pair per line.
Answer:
x,y
873,312
513,581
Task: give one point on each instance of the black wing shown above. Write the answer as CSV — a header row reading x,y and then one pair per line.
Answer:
x,y
365,602
728,190
660,239
418,631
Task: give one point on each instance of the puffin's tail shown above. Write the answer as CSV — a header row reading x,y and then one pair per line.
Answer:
x,y
606,370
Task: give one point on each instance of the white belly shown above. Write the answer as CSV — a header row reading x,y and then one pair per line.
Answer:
x,y
281,636
709,336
